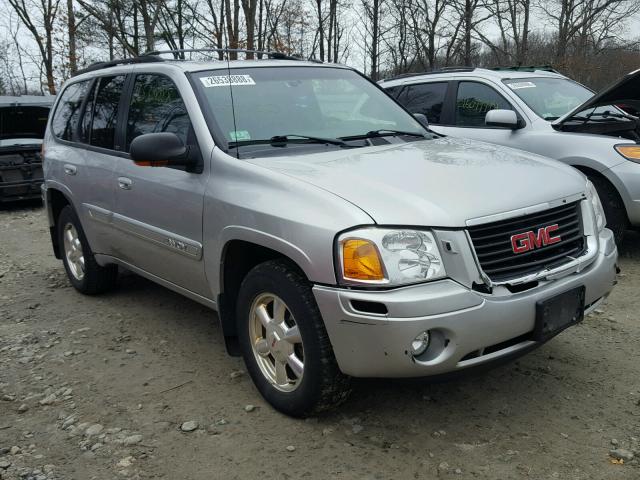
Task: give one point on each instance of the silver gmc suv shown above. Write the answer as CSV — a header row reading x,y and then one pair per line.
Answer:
x,y
335,235
540,111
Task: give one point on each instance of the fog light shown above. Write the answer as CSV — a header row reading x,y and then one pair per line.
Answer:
x,y
420,344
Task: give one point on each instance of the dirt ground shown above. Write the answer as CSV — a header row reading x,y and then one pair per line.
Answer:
x,y
99,387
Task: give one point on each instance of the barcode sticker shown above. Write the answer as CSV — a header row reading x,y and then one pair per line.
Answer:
x,y
518,85
227,80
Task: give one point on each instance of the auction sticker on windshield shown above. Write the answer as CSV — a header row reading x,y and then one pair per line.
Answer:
x,y
227,80
518,85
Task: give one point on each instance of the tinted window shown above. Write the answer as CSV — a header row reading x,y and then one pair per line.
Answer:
x,y
105,111
156,106
65,119
394,91
425,98
84,128
474,101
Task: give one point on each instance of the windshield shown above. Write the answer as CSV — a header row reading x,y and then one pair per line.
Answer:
x,y
549,98
303,103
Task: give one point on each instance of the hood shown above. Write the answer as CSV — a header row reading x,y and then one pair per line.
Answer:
x,y
438,183
24,117
625,94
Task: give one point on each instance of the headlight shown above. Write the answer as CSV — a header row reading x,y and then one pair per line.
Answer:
x,y
598,211
384,256
630,152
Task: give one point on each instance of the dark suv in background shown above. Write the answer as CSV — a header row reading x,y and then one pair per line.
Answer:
x,y
23,121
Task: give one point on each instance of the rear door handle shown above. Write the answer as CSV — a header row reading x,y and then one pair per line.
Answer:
x,y
125,183
70,169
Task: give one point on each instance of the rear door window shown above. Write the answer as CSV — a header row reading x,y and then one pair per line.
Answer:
x,y
473,102
65,118
105,111
156,106
425,98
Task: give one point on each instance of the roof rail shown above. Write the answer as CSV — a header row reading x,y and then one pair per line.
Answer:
x,y
154,56
527,68
268,54
431,72
123,61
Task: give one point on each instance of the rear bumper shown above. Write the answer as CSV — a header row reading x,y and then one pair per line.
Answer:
x,y
468,328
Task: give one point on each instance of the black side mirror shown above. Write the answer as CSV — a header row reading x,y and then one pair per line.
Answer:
x,y
422,118
159,150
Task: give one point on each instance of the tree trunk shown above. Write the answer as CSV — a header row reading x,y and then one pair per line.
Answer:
x,y
249,8
375,30
320,29
71,26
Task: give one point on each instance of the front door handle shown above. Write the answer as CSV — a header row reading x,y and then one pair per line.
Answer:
x,y
125,183
70,169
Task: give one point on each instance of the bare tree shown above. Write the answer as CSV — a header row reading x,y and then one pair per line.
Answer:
x,y
39,16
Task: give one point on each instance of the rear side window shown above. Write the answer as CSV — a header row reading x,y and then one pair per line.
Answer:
x,y
105,111
425,98
156,106
65,119
474,101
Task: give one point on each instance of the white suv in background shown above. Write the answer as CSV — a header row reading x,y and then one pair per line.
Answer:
x,y
538,110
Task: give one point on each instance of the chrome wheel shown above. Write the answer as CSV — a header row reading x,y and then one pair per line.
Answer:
x,y
276,342
73,251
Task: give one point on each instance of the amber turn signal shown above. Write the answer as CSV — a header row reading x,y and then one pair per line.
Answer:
x,y
632,152
361,260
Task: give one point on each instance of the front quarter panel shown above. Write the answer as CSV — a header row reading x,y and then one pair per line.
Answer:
x,y
254,204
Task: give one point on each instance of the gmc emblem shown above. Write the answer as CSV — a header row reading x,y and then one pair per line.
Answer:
x,y
525,241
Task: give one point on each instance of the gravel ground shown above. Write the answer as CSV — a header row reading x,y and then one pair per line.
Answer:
x,y
136,384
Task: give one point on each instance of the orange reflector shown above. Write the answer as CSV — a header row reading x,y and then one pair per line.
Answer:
x,y
361,260
631,152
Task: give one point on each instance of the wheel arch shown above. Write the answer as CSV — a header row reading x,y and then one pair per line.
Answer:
x,y
238,257
56,200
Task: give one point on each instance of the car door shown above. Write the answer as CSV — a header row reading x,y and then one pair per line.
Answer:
x,y
159,209
86,164
471,100
99,146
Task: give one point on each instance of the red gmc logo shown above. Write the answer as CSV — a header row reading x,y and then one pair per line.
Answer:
x,y
525,241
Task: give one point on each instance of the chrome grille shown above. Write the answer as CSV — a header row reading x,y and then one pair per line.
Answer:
x,y
492,242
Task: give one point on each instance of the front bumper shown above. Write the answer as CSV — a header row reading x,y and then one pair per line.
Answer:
x,y
468,328
20,176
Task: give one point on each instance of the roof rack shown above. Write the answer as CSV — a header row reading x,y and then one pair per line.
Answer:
x,y
123,61
431,72
268,54
154,56
527,68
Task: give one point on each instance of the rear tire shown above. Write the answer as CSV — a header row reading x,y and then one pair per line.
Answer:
x,y
83,271
284,342
614,210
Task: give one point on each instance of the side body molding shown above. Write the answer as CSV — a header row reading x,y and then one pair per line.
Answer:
x,y
158,236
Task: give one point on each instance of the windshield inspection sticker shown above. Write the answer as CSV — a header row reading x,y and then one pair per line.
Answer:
x,y
227,80
518,85
239,135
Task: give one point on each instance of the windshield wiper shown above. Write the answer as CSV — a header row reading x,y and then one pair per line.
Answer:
x,y
603,115
385,132
282,140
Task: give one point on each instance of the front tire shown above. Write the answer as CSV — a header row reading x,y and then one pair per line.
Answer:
x,y
614,210
83,271
284,342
